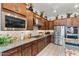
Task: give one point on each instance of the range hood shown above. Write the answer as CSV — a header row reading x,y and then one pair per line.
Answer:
x,y
37,23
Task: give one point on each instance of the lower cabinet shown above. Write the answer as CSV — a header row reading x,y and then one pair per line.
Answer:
x,y
48,39
26,50
39,45
29,49
34,48
12,52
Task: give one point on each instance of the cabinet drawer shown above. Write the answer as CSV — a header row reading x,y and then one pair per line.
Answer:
x,y
13,52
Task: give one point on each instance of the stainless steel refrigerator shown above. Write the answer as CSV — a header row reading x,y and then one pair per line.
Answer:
x,y
59,35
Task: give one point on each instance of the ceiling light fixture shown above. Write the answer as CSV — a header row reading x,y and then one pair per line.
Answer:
x,y
76,6
54,11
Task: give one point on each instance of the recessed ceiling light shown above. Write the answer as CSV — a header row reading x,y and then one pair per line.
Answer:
x,y
76,6
54,11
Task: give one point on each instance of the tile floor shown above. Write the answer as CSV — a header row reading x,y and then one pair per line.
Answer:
x,y
71,50
52,50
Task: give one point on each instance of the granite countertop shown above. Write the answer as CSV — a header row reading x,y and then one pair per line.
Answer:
x,y
20,42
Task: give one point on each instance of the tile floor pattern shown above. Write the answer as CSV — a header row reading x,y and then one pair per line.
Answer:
x,y
52,50
71,52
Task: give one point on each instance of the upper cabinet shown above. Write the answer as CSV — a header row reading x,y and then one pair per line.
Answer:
x,y
15,7
42,24
51,25
21,8
56,22
75,21
9,6
69,22
30,19
60,22
46,25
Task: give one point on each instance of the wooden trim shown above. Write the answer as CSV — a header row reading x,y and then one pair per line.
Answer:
x,y
4,9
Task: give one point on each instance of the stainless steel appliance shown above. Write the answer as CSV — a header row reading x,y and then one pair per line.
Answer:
x,y
12,22
59,35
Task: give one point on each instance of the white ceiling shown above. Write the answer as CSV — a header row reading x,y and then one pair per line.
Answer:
x,y
61,8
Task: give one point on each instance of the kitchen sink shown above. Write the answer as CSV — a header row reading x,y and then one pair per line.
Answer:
x,y
37,36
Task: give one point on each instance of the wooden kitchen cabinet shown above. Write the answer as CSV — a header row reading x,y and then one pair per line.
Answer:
x,y
47,40
75,21
43,42
34,48
39,45
42,21
51,25
19,8
29,49
29,17
69,22
46,25
9,6
56,22
12,52
26,50
60,22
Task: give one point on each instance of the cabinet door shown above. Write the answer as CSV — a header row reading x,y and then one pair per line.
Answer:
x,y
16,7
8,6
51,25
34,48
52,38
39,45
75,21
68,22
26,50
43,43
46,25
49,39
42,22
62,22
29,18
13,52
22,8
56,22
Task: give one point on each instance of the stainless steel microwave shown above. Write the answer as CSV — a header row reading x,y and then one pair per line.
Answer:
x,y
10,22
